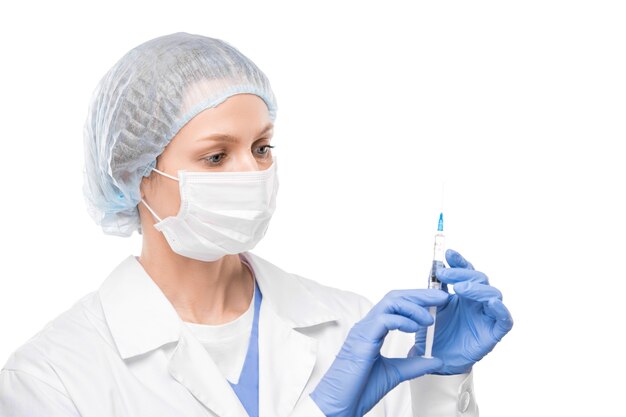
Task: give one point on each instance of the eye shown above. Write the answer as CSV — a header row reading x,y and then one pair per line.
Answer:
x,y
266,150
212,158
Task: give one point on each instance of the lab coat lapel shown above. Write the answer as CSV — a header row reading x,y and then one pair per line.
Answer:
x,y
193,367
287,358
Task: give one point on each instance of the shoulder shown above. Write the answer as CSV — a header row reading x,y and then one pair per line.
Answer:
x,y
64,341
293,291
338,299
354,307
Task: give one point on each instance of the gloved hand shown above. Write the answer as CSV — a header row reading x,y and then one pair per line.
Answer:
x,y
360,376
470,323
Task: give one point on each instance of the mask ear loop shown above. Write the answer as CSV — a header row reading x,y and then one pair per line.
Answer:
x,y
144,201
167,175
151,211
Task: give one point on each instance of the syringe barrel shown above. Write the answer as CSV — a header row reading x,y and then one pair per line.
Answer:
x,y
438,258
433,281
439,251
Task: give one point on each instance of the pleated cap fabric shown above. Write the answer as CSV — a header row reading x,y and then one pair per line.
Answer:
x,y
139,106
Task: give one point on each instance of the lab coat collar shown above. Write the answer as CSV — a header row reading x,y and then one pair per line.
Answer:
x,y
141,318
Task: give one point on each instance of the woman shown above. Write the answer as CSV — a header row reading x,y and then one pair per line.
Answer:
x,y
177,145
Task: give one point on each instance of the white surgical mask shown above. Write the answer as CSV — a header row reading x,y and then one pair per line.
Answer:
x,y
220,212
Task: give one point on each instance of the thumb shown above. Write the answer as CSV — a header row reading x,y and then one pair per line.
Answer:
x,y
413,367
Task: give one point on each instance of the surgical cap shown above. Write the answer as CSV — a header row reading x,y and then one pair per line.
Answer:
x,y
139,106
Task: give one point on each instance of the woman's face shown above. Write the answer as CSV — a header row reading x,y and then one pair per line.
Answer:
x,y
234,136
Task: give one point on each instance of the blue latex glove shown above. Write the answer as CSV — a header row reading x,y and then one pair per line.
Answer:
x,y
470,323
360,376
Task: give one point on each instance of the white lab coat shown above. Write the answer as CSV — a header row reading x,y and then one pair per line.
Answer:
x,y
124,351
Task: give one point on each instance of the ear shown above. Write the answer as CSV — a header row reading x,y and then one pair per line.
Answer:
x,y
142,186
145,184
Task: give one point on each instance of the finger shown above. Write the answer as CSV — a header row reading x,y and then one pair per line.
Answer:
x,y
504,321
454,275
424,297
377,328
476,291
413,311
456,260
413,367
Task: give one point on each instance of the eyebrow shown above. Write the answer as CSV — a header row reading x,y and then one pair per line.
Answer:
x,y
230,138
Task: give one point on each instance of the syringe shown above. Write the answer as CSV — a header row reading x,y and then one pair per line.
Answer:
x,y
433,282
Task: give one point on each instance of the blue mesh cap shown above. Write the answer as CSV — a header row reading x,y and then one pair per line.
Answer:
x,y
139,106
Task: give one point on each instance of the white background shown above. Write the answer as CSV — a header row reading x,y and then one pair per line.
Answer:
x,y
519,106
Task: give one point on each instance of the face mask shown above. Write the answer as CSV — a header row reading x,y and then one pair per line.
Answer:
x,y
220,212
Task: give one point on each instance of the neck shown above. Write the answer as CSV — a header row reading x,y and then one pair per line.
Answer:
x,y
201,292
